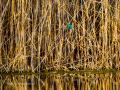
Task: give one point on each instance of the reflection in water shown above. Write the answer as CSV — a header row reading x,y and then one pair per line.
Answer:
x,y
86,81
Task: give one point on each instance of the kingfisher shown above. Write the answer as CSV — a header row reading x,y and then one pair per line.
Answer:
x,y
68,26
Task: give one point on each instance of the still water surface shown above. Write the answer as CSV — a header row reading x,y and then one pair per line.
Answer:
x,y
66,81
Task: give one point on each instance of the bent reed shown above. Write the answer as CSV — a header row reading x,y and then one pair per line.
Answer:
x,y
34,37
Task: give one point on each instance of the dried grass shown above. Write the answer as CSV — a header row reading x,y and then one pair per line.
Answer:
x,y
34,37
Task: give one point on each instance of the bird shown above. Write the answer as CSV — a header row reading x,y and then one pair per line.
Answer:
x,y
68,26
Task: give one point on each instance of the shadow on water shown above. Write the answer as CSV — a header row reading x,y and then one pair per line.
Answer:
x,y
61,81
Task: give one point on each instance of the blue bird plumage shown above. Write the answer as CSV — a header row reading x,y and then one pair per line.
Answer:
x,y
68,26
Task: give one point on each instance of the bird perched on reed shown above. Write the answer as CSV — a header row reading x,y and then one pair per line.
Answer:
x,y
68,26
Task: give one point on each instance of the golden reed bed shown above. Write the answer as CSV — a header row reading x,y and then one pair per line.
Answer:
x,y
34,37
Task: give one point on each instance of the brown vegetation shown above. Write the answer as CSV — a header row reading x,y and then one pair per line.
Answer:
x,y
34,37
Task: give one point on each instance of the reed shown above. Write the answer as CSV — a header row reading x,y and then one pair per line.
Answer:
x,y
34,37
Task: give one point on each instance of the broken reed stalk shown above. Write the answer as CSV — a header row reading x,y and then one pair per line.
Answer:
x,y
34,37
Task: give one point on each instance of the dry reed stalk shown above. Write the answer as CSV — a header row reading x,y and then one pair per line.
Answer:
x,y
23,35
50,32
102,21
105,31
0,36
38,31
35,33
11,34
87,26
105,41
47,32
32,44
77,33
118,32
59,49
95,42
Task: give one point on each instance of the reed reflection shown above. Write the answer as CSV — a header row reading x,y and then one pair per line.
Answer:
x,y
85,81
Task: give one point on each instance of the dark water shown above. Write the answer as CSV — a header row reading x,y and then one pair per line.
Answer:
x,y
67,81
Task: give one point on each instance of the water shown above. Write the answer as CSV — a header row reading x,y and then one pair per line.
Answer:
x,y
57,81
